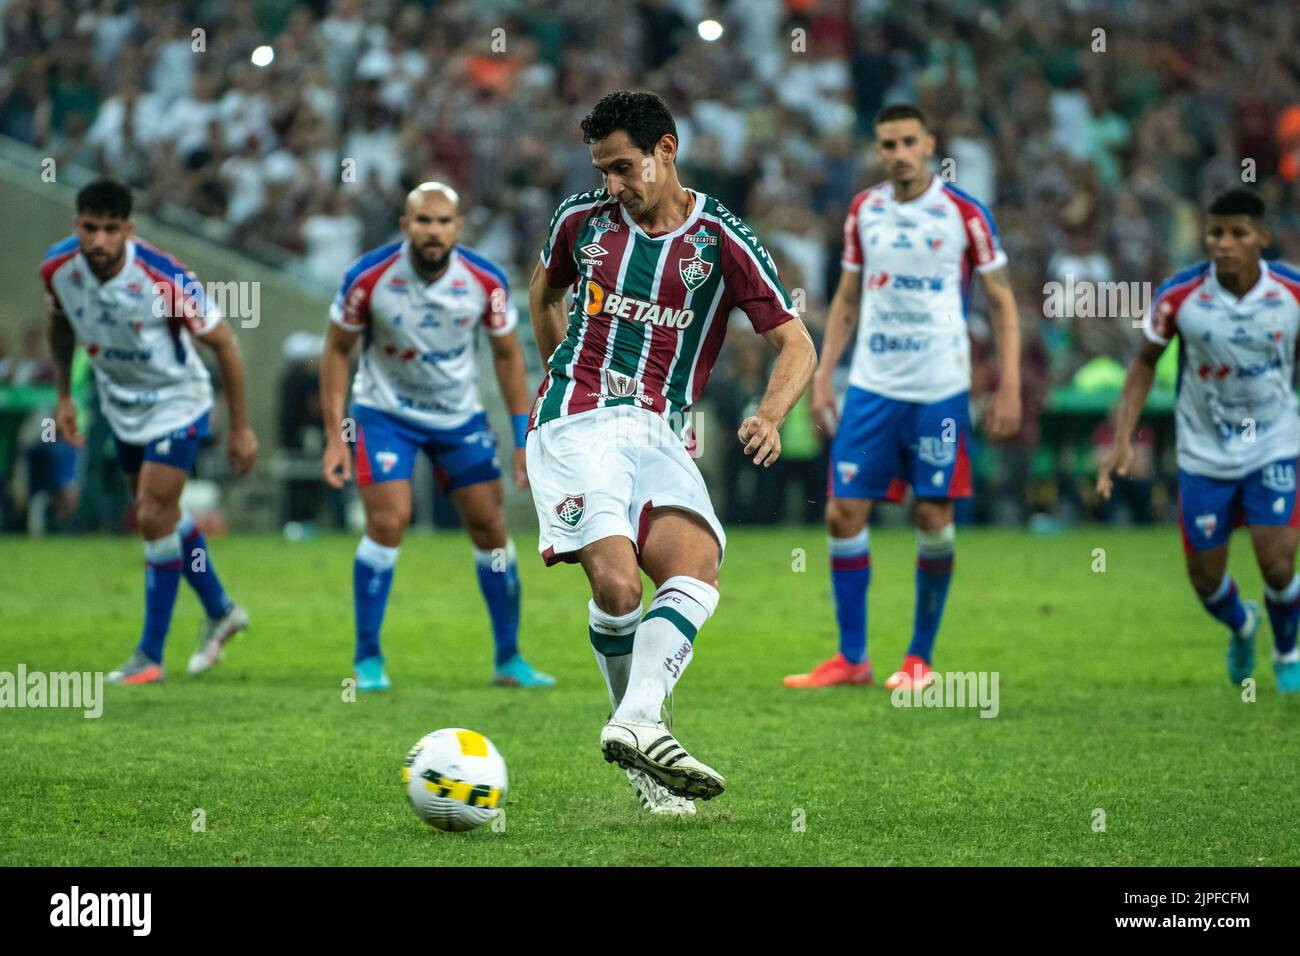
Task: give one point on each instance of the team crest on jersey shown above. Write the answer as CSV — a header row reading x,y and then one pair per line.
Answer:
x,y
1206,524
1278,477
570,509
386,460
936,451
934,242
848,470
694,271
137,326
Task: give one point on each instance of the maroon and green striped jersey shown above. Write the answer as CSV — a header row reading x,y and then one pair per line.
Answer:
x,y
649,312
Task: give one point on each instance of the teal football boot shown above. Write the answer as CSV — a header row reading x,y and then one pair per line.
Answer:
x,y
517,672
371,674
1241,647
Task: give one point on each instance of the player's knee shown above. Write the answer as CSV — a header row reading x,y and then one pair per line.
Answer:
x,y
487,534
155,517
617,591
931,518
1278,572
843,521
386,526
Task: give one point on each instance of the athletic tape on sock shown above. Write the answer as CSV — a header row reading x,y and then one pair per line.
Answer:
x,y
378,556
163,550
1287,594
612,635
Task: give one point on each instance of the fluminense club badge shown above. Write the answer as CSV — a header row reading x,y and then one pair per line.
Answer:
x,y
694,271
570,509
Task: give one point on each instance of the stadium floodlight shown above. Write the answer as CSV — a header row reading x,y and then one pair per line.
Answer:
x,y
263,55
709,30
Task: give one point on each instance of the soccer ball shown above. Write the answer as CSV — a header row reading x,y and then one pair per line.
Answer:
x,y
455,779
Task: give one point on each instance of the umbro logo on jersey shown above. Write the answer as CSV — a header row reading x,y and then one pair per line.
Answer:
x,y
570,509
592,252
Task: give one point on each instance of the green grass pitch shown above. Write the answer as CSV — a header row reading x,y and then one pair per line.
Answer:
x,y
1114,697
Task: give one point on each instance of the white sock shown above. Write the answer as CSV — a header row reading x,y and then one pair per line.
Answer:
x,y
664,645
611,642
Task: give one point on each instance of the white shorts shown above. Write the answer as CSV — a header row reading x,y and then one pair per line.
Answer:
x,y
598,474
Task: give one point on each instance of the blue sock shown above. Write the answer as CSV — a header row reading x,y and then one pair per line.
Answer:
x,y
1225,604
162,578
1284,615
934,559
850,577
196,563
498,579
372,577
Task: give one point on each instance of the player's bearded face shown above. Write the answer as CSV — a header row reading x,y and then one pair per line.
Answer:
x,y
432,226
102,241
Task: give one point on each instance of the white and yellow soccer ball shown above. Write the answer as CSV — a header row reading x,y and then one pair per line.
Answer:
x,y
455,779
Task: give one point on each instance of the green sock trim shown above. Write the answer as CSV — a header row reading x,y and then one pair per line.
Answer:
x,y
676,619
611,645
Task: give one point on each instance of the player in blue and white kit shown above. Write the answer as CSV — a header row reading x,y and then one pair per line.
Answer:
x,y
418,305
1237,423
137,311
911,245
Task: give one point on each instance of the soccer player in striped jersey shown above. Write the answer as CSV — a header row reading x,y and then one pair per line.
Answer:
x,y
654,270
912,244
418,305
1237,423
137,311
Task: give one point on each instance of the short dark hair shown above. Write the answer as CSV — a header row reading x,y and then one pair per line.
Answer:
x,y
899,111
1238,202
105,197
645,117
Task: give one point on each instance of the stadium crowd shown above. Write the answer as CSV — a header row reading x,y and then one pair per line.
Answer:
x,y
1096,130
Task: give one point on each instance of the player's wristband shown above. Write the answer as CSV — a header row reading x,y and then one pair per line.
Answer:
x,y
520,422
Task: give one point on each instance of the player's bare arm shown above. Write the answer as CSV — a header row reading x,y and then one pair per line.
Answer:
x,y
547,312
1004,415
508,363
1137,385
841,325
241,448
62,342
335,363
795,360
